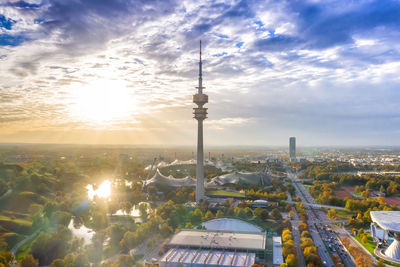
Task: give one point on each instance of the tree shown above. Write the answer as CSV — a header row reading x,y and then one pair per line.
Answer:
x,y
332,214
81,260
291,214
125,261
364,239
219,214
303,226
209,215
115,232
380,263
196,216
7,256
58,263
382,189
248,212
291,260
363,261
126,207
29,261
276,214
286,235
143,211
305,234
166,230
261,214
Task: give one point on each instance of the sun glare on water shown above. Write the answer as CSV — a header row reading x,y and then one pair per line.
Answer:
x,y
104,190
102,102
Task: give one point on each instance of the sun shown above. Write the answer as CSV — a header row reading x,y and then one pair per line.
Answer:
x,y
103,191
102,102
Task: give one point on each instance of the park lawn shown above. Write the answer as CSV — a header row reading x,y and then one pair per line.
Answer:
x,y
307,186
225,193
12,239
15,225
369,245
345,214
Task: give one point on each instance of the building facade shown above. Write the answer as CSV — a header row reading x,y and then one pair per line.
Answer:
x,y
292,148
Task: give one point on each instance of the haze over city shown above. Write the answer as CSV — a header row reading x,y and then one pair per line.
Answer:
x,y
123,72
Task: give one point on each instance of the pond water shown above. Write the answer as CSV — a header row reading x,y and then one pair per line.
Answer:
x,y
134,211
81,231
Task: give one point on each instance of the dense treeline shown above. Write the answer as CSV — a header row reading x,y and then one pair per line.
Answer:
x,y
361,258
288,249
308,247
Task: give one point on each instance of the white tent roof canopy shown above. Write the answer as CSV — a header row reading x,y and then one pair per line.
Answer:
x,y
387,220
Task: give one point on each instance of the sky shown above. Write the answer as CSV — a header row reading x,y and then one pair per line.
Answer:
x,y
124,71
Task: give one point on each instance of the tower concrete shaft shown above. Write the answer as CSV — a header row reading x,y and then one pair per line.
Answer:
x,y
200,114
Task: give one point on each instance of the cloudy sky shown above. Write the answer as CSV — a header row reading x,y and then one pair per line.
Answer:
x,y
124,71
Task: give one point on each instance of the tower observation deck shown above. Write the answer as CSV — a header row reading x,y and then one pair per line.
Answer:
x,y
200,114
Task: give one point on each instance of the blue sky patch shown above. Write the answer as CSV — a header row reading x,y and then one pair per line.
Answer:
x,y
6,23
220,54
239,44
259,23
11,40
223,36
23,4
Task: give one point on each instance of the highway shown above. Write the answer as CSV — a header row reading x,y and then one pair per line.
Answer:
x,y
323,230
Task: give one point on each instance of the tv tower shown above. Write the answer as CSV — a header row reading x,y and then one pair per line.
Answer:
x,y
200,114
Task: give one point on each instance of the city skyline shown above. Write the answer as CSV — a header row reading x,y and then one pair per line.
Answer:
x,y
123,72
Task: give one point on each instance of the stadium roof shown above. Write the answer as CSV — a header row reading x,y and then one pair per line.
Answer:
x,y
241,178
216,239
231,225
387,220
193,257
160,179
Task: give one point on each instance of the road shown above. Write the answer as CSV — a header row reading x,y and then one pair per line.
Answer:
x,y
325,231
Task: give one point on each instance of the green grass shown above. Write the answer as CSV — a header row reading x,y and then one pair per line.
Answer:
x,y
345,214
15,225
12,239
307,186
225,193
369,245
24,249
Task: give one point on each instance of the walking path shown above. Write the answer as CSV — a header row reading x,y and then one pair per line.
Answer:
x,y
20,243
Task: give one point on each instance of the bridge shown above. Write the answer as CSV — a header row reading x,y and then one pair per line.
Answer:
x,y
317,206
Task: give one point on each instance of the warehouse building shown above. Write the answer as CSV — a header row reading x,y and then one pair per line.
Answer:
x,y
227,242
277,251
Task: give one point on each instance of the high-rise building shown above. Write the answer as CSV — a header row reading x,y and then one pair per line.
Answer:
x,y
292,148
200,114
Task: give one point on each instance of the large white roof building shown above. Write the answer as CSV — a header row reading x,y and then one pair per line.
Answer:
x,y
226,224
225,242
196,258
219,239
390,222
